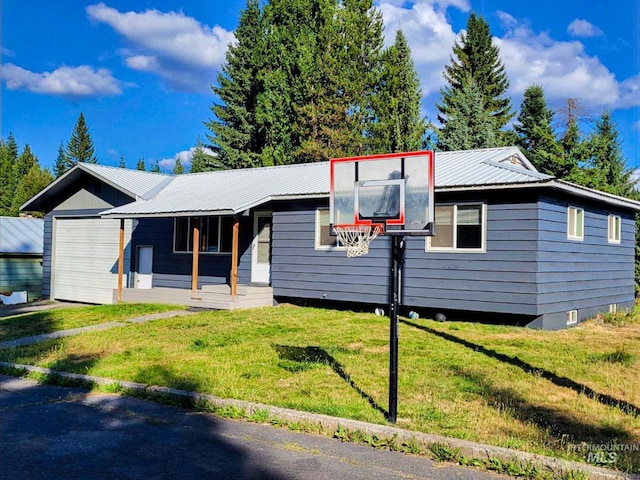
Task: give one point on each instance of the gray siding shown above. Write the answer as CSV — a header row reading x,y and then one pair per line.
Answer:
x,y
174,269
500,280
585,275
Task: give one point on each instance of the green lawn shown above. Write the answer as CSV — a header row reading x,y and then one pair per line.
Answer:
x,y
47,321
532,390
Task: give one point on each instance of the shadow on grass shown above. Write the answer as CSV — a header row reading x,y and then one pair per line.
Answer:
x,y
318,355
26,324
161,376
564,382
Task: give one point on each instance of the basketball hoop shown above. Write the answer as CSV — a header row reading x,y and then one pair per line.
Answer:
x,y
356,238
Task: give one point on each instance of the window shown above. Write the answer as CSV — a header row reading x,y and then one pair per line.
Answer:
x,y
575,223
572,317
215,234
615,228
459,227
613,307
325,240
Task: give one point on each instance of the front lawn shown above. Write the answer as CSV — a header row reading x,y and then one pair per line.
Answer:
x,y
48,321
543,392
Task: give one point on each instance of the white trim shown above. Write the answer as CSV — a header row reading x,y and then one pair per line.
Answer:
x,y
613,307
572,317
572,224
454,249
317,245
614,235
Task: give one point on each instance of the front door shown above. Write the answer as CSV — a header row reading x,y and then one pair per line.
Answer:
x,y
145,267
261,248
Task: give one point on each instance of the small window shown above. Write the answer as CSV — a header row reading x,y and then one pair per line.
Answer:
x,y
459,227
613,307
575,223
615,229
215,234
325,239
572,317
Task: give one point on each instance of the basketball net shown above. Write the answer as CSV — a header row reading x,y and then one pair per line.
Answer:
x,y
356,238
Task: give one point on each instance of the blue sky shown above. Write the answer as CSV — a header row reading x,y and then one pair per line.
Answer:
x,y
141,71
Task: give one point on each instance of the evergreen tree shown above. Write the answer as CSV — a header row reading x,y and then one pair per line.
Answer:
x,y
140,165
178,169
62,162
8,181
469,124
201,161
122,164
476,57
29,185
400,127
155,167
80,145
235,135
606,169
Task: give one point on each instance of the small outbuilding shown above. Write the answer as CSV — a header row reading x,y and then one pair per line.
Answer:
x,y
21,242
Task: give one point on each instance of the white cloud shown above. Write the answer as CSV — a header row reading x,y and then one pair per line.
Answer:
x,y
82,81
7,53
185,158
428,33
563,68
582,28
177,48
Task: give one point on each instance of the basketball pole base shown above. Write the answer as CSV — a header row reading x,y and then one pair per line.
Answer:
x,y
397,260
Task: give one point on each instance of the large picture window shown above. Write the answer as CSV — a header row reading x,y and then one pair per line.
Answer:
x,y
215,234
459,227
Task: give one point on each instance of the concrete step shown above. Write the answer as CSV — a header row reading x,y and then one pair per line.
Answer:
x,y
241,289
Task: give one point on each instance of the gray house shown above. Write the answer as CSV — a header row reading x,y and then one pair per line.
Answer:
x,y
21,256
542,252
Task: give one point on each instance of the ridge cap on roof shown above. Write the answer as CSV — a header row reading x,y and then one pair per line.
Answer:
x,y
90,166
246,169
512,168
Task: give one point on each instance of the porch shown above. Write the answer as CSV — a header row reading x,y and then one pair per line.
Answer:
x,y
216,297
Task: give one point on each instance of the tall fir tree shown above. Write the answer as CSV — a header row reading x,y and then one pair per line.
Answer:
x,y
155,167
469,124
80,146
606,168
400,126
235,135
140,165
535,133
121,163
201,161
178,169
62,163
477,58
8,180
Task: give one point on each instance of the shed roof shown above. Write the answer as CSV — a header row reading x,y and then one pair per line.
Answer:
x,y
135,183
21,235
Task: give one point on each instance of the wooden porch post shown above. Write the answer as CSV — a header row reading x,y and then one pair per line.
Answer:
x,y
234,257
196,256
121,260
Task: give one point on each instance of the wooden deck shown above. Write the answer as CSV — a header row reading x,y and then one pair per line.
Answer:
x,y
215,297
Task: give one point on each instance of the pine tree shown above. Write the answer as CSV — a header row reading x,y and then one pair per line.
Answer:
x,y
234,132
122,163
80,145
201,161
62,162
178,169
469,124
155,167
477,58
140,165
400,127
29,185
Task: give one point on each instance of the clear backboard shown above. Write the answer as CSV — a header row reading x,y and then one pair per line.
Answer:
x,y
394,192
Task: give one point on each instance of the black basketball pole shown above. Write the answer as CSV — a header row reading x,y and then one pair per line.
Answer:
x,y
397,259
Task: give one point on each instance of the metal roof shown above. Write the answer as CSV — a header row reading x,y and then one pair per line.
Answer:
x,y
231,191
21,235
